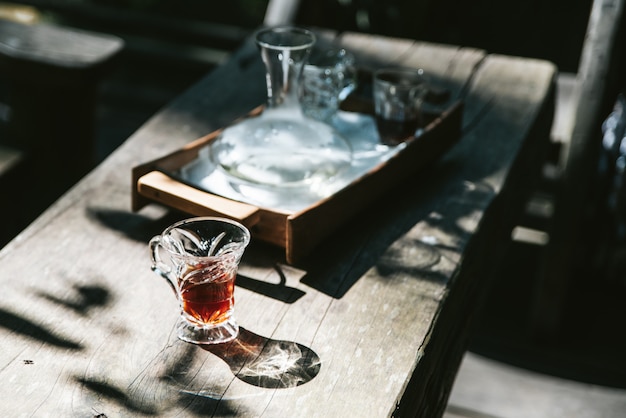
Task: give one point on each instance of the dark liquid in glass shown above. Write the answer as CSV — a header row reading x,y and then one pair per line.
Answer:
x,y
394,132
211,302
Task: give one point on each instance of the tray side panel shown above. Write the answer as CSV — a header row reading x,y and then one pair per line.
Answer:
x,y
307,228
159,186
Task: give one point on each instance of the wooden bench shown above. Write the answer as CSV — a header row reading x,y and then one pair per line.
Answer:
x,y
52,75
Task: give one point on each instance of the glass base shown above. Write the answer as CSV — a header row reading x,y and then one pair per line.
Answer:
x,y
216,334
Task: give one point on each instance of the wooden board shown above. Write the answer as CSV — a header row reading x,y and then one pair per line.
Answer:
x,y
45,54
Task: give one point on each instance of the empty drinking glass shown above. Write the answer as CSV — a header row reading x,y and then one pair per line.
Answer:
x,y
328,78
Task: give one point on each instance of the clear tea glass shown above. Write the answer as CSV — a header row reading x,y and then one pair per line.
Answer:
x,y
398,97
328,78
199,258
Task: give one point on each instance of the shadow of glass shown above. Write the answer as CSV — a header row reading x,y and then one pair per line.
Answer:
x,y
30,329
279,291
415,258
268,363
178,376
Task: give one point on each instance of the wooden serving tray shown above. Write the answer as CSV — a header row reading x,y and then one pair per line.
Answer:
x,y
299,232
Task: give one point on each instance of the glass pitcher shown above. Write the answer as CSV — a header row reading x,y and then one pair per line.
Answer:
x,y
282,148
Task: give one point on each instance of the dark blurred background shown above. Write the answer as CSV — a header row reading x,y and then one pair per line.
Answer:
x,y
172,43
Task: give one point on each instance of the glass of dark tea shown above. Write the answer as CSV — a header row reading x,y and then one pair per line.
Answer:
x,y
398,97
199,257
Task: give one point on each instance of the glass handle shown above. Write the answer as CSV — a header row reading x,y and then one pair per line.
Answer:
x,y
158,266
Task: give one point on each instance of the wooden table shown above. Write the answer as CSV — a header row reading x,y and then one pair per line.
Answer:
x,y
373,324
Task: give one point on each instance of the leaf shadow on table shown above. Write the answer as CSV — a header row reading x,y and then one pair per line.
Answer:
x,y
109,391
28,328
135,226
82,300
149,404
167,383
86,298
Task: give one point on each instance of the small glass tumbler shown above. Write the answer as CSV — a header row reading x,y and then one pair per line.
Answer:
x,y
327,79
199,258
398,97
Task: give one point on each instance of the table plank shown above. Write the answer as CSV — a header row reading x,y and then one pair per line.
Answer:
x,y
374,323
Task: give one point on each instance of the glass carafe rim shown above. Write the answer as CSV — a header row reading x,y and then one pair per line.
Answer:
x,y
286,45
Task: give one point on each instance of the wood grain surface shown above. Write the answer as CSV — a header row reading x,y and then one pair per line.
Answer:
x,y
372,324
